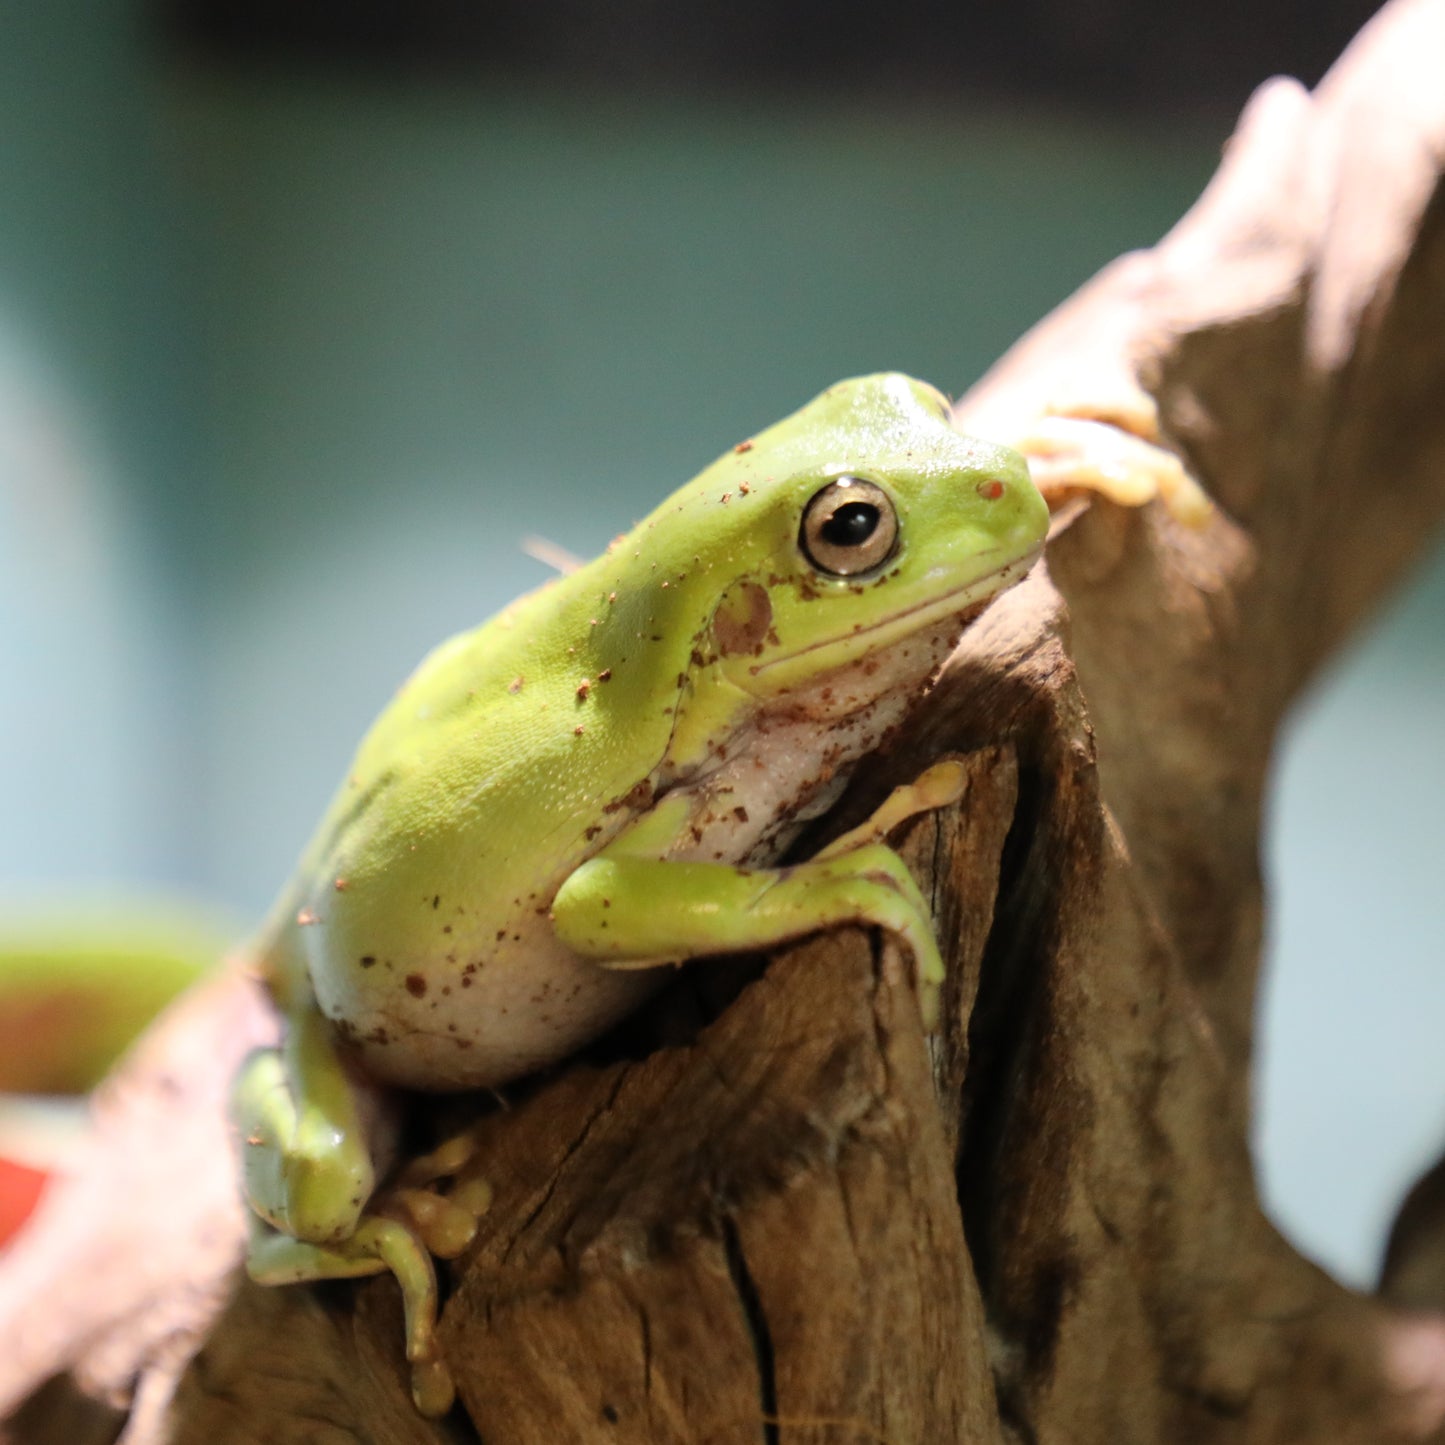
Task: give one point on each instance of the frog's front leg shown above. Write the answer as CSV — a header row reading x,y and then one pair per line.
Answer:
x,y
308,1177
628,910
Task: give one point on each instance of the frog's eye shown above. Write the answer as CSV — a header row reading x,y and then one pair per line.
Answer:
x,y
849,527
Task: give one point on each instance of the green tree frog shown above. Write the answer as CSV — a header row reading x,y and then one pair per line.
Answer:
x,y
597,784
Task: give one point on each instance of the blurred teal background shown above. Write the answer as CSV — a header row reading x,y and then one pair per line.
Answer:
x,y
290,360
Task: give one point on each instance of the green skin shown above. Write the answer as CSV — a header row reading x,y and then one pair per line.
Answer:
x,y
595,783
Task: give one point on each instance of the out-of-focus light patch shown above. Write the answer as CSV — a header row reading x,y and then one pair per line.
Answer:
x,y
56,508
1350,1084
67,759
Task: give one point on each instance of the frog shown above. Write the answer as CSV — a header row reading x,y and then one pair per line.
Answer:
x,y
563,805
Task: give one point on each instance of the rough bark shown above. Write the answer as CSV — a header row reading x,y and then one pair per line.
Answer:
x,y
776,1211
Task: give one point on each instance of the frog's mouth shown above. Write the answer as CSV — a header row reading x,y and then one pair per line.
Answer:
x,y
965,603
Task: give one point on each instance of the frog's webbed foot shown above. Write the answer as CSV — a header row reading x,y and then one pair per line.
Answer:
x,y
405,1224
1106,446
445,1220
935,787
377,1244
309,1181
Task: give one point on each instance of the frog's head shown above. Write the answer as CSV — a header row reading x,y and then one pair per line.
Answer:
x,y
861,520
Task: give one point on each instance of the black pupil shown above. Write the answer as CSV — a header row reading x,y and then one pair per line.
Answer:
x,y
851,525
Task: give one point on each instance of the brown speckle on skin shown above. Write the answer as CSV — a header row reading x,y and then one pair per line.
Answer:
x,y
577,731
583,688
306,917
638,797
367,960
605,675
341,885
742,447
416,985
436,900
740,813
515,686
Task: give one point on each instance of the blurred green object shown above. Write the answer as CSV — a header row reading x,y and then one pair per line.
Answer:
x,y
75,992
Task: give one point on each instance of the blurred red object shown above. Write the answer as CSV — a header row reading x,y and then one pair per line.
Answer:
x,y
21,1186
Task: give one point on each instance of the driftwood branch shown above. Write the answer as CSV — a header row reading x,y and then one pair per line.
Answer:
x,y
774,1210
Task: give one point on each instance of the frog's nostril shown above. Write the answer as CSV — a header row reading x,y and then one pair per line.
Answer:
x,y
991,490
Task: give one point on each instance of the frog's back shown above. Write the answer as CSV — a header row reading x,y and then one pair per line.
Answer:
x,y
490,765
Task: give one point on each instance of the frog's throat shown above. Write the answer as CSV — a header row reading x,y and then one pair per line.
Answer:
x,y
763,678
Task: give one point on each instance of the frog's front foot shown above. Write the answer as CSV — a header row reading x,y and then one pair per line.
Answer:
x,y
1069,454
1106,446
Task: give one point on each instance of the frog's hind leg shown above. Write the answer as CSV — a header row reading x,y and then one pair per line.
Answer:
x,y
308,1176
306,1161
